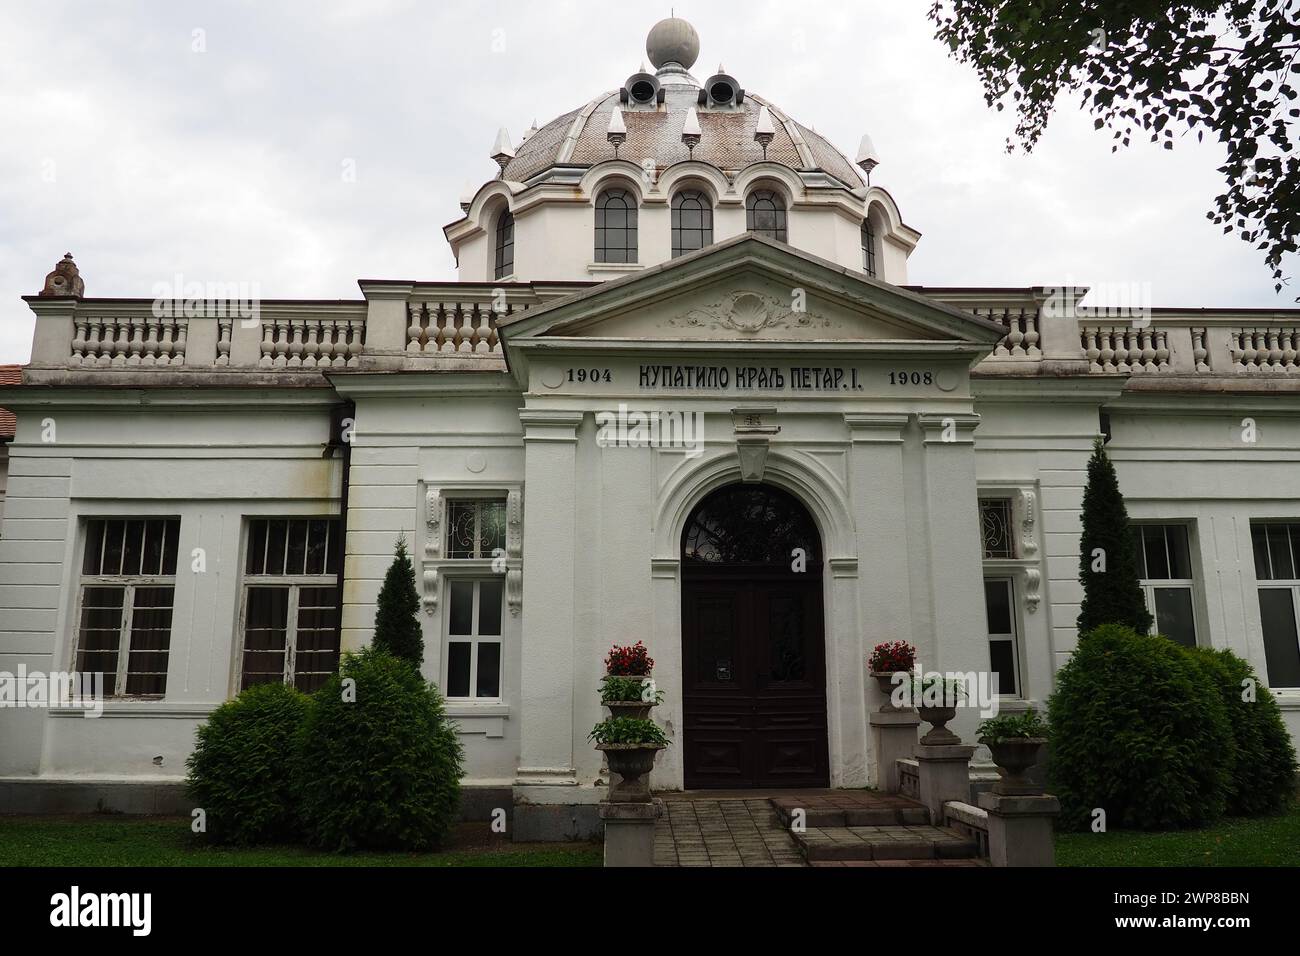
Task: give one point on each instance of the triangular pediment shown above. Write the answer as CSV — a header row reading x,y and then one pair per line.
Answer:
x,y
751,290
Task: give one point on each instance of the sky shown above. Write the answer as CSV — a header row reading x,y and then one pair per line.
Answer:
x,y
296,147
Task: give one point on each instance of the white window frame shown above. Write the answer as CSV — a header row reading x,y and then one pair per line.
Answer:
x,y
1014,637
294,582
128,583
1149,585
1276,584
481,571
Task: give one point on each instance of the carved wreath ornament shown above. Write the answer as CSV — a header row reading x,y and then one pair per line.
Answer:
x,y
749,312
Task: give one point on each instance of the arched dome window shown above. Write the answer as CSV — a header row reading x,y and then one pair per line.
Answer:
x,y
868,247
616,226
505,246
692,216
765,214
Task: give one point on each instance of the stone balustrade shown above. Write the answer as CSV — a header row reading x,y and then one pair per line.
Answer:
x,y
455,325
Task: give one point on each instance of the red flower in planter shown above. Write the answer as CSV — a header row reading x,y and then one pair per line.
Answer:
x,y
631,661
891,657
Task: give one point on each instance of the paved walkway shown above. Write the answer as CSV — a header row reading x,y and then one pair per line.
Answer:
x,y
722,831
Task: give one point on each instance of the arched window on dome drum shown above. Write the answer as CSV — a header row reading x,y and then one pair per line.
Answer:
x,y
616,226
505,246
765,214
868,248
692,221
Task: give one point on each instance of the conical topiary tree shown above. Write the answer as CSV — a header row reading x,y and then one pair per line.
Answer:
x,y
1107,562
397,622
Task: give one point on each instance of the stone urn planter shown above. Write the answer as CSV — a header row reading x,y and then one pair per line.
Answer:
x,y
633,763
639,708
1014,756
937,717
885,681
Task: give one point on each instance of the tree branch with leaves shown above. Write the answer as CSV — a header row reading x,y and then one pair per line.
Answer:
x,y
1163,70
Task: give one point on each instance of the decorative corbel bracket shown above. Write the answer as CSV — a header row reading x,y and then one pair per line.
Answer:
x,y
514,551
432,546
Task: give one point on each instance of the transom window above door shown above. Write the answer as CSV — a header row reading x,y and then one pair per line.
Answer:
x,y
476,527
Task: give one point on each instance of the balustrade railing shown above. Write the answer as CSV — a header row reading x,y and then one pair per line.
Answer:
x,y
1125,348
443,327
311,343
1270,350
128,341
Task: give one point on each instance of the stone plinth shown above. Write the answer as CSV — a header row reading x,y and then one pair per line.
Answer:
x,y
943,774
630,832
1020,829
893,736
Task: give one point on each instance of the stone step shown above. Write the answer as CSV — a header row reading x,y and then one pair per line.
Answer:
x,y
882,843
851,809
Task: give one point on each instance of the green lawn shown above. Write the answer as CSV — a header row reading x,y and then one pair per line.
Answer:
x,y
166,841
1240,841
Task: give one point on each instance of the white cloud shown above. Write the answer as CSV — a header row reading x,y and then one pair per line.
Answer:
x,y
226,165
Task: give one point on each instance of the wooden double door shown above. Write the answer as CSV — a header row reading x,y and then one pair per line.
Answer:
x,y
754,679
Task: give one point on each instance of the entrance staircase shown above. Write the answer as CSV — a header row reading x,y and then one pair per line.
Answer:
x,y
866,828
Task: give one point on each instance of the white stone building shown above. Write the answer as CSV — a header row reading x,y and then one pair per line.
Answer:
x,y
198,498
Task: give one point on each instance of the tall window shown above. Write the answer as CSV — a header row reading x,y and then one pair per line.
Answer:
x,y
692,216
616,226
1004,649
765,214
128,585
1277,547
1165,572
868,248
505,246
291,615
473,665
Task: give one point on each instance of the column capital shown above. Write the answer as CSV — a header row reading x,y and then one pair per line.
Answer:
x,y
550,424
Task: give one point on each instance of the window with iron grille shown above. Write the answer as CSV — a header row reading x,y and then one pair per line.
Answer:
x,y
616,226
290,610
868,248
127,591
692,221
1165,573
1277,569
765,214
505,246
996,528
476,527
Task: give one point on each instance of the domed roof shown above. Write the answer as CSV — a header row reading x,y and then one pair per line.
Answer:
x,y
654,132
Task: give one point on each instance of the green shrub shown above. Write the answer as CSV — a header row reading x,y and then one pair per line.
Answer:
x,y
1138,730
1027,724
628,730
1262,762
238,770
380,768
397,610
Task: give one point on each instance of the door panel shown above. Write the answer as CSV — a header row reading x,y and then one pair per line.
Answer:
x,y
754,682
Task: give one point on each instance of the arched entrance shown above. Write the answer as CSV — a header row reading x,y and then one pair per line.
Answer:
x,y
753,642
